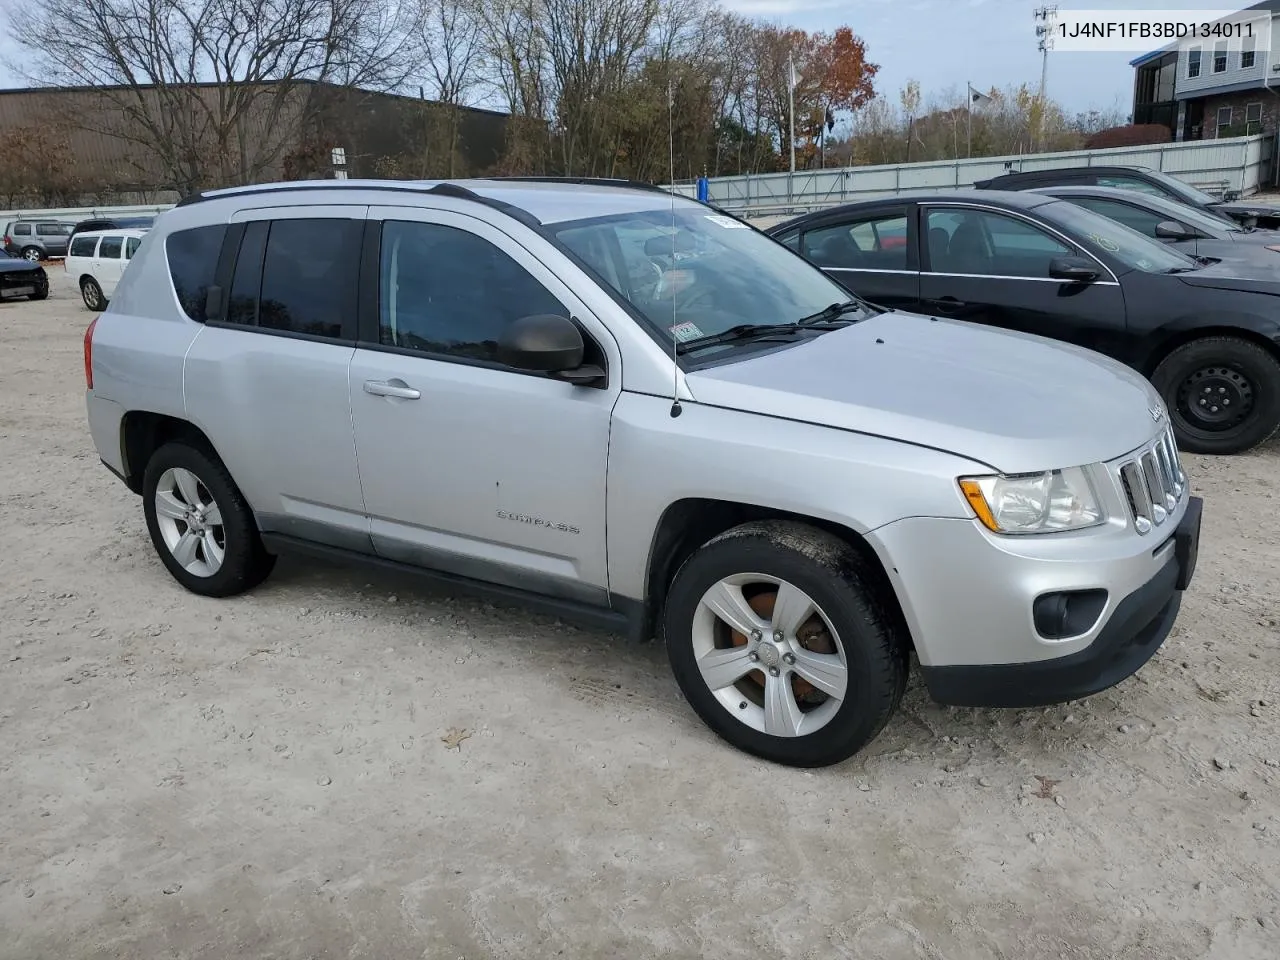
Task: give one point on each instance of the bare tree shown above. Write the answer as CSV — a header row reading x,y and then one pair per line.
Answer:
x,y
214,91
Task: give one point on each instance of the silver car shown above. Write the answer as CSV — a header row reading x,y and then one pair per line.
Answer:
x,y
626,408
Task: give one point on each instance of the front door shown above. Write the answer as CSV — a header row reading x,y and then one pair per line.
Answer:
x,y
992,267
467,465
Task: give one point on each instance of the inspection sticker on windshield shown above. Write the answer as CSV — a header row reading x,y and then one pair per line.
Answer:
x,y
685,332
727,222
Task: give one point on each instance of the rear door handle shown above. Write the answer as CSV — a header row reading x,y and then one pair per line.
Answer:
x,y
391,388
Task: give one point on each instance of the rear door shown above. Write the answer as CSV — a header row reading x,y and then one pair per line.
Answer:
x,y
267,377
108,265
873,253
55,237
991,266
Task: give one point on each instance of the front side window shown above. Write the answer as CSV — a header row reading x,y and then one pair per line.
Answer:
x,y
110,248
450,293
310,272
879,243
691,273
1144,221
983,243
131,246
193,264
1112,239
1132,183
84,246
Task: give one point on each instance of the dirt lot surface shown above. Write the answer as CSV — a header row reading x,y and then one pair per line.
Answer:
x,y
273,776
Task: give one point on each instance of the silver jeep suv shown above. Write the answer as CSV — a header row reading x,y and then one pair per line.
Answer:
x,y
629,409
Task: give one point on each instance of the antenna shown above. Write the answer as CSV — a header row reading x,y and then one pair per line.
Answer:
x,y
676,409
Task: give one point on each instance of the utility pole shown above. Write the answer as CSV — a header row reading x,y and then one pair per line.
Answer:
x,y
1048,14
791,101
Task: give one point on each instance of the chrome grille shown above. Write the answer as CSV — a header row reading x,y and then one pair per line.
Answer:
x,y
1153,483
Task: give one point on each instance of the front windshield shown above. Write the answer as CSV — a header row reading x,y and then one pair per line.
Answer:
x,y
1103,235
1182,188
712,273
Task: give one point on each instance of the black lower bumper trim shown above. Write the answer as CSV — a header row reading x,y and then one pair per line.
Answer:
x,y
1131,637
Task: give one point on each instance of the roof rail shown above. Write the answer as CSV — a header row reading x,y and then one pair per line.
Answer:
x,y
587,182
444,189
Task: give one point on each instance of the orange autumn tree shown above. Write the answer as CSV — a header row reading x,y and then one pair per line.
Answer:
x,y
836,76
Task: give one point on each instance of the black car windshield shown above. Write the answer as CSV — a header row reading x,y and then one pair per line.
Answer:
x,y
1100,234
712,273
1182,188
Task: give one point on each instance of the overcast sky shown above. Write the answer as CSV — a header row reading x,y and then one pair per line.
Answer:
x,y
944,43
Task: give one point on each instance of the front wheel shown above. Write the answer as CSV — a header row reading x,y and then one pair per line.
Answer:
x,y
200,524
1223,394
780,641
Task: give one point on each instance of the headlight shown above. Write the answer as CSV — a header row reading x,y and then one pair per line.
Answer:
x,y
1048,502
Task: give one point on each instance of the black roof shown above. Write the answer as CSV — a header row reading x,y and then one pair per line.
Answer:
x,y
1011,199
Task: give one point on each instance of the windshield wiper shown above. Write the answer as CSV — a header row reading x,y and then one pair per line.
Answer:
x,y
754,331
835,311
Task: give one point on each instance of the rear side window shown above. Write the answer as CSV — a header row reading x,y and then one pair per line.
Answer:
x,y
193,264
297,276
110,248
83,246
309,276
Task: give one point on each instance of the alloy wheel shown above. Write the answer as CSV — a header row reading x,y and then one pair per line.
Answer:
x,y
190,522
769,655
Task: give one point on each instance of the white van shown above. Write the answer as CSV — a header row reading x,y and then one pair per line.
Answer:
x,y
97,260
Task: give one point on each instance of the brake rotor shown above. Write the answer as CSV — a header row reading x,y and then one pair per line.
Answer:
x,y
813,635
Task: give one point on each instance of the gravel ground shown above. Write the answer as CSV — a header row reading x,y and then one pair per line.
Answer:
x,y
337,766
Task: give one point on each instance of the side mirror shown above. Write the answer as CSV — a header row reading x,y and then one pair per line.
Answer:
x,y
1073,269
1171,230
547,343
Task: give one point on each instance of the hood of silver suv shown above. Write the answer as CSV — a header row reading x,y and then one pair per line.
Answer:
x,y
1018,402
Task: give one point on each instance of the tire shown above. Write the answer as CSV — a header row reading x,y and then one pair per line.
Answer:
x,y
92,293
1208,382
40,295
244,561
825,570
32,253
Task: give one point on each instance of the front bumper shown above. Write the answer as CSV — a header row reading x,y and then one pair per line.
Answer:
x,y
970,611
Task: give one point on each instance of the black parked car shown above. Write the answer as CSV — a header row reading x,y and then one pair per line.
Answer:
x,y
1207,336
1143,180
114,223
1185,228
21,278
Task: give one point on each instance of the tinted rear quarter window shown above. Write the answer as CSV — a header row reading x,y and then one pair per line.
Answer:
x,y
193,264
83,246
22,229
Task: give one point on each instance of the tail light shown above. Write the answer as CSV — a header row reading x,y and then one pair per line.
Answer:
x,y
88,354
7,239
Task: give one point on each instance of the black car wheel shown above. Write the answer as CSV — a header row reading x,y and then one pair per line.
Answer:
x,y
1223,394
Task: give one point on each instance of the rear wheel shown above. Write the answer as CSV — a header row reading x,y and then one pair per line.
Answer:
x,y
780,642
200,524
32,253
1223,394
92,293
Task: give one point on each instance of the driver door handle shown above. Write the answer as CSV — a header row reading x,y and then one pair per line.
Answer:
x,y
946,303
391,388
